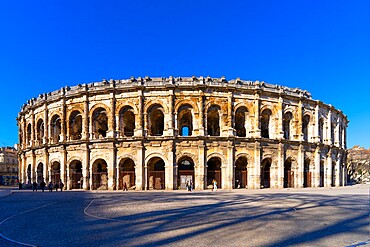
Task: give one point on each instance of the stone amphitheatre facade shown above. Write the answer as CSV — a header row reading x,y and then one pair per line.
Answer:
x,y
158,133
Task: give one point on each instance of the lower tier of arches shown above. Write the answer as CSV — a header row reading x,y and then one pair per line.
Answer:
x,y
147,168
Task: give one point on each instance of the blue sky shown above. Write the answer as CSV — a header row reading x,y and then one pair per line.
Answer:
x,y
319,46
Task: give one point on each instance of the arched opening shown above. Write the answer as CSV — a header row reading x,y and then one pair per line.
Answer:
x,y
341,134
156,120
214,171
29,174
185,120
127,121
305,126
213,121
286,125
265,173
333,173
332,132
322,173
40,173
100,175
56,128
265,123
156,177
55,172
29,132
40,131
307,176
321,129
240,121
75,174
241,173
126,173
100,123
75,126
185,172
288,174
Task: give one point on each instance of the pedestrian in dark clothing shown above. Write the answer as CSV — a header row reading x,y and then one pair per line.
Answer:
x,y
20,185
61,185
56,186
42,185
50,186
125,186
34,186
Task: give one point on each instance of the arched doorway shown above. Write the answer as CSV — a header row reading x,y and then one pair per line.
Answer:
x,y
333,175
241,173
214,171
307,174
156,120
100,123
55,172
156,177
288,174
213,121
40,173
185,172
100,175
185,120
126,173
265,123
265,173
75,174
29,174
127,121
321,173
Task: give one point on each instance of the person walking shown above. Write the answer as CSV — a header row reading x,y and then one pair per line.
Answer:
x,y
61,185
214,185
125,186
34,186
42,185
56,186
50,186
191,186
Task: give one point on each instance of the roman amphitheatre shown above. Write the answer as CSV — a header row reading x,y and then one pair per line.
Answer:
x,y
159,133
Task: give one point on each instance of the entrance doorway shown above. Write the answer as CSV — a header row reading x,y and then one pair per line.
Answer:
x,y
288,174
126,173
156,177
241,173
185,173
265,173
75,174
214,171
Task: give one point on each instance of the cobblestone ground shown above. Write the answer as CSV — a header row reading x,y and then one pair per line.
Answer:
x,y
287,217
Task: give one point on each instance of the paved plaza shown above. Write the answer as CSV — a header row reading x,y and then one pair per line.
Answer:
x,y
268,217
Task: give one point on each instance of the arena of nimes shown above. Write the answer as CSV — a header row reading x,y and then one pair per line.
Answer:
x,y
159,133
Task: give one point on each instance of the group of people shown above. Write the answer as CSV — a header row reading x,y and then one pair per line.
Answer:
x,y
51,186
189,185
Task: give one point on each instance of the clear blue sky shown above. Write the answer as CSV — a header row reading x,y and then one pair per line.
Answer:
x,y
319,46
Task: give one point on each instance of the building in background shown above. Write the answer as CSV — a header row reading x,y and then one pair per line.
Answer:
x,y
8,166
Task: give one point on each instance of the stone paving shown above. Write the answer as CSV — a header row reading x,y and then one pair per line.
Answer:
x,y
269,217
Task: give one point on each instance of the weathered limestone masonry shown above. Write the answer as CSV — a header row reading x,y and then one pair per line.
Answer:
x,y
160,133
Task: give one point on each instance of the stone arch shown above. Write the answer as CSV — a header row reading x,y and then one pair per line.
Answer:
x,y
75,123
55,168
266,122
265,172
180,103
185,118
99,174
153,155
307,173
156,117
187,154
217,155
241,171
40,168
152,103
55,128
40,130
306,123
322,173
241,120
29,172
126,125
214,120
75,179
287,124
185,170
100,116
156,173
214,170
29,133
321,129
288,173
126,173
123,104
127,156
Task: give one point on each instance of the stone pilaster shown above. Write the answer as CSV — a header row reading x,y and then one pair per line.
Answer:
x,y
200,169
140,169
254,180
329,169
316,171
299,176
257,122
